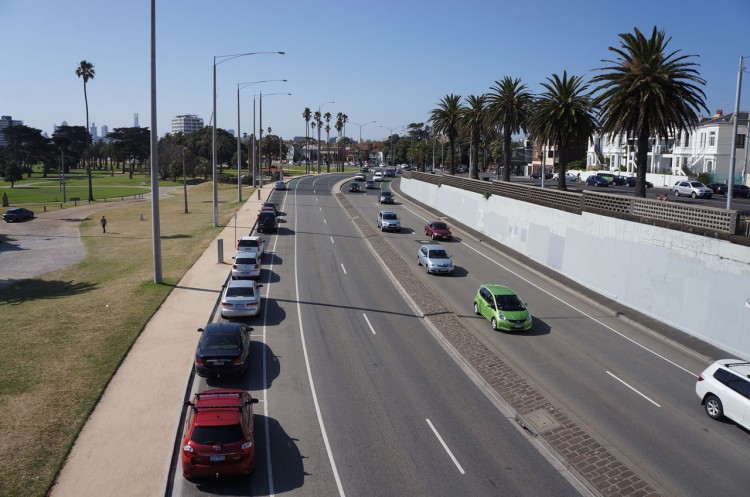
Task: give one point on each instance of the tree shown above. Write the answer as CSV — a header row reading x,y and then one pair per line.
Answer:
x,y
648,91
509,104
338,126
130,145
12,172
563,115
306,115
419,154
70,141
473,123
86,71
445,119
318,123
328,117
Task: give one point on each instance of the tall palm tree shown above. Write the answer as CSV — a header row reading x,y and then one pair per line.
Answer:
x,y
648,91
338,126
86,71
312,126
445,119
563,115
318,122
473,123
328,117
509,105
306,115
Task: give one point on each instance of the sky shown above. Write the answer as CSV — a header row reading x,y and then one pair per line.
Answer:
x,y
386,61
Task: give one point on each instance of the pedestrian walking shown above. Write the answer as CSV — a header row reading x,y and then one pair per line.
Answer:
x,y
103,222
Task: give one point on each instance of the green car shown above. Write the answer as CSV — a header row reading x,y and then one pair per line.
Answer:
x,y
502,307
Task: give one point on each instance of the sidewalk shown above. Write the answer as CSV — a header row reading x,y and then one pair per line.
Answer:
x,y
126,445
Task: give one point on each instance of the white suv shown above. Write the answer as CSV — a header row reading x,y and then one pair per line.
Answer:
x,y
388,221
252,244
724,390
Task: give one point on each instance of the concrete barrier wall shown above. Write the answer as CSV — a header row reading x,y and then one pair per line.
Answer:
x,y
697,284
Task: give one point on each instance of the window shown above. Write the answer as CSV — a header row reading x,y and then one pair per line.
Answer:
x,y
711,138
740,141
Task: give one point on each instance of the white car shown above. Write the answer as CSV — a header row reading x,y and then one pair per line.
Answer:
x,y
240,299
692,188
388,221
568,177
724,390
360,177
280,185
435,259
252,244
378,176
246,265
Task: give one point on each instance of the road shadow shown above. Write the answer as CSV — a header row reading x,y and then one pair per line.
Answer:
x,y
272,258
282,231
275,314
268,276
252,379
35,289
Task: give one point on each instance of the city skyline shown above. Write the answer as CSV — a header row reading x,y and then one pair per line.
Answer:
x,y
390,63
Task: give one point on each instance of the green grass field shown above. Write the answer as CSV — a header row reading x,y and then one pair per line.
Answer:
x,y
65,333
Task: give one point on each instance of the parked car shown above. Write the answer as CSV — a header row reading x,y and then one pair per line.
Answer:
x,y
246,265
608,176
630,181
280,185
267,222
354,187
360,177
724,390
270,206
437,230
388,221
435,259
595,180
218,438
502,308
370,185
240,299
223,349
17,214
385,197
737,190
619,180
252,244
539,175
378,176
568,177
694,189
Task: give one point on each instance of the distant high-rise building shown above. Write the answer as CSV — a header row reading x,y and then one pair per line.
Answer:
x,y
6,121
105,130
135,120
92,130
187,123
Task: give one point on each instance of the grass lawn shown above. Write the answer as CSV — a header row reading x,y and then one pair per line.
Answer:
x,y
65,333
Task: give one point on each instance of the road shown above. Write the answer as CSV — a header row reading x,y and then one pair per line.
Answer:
x,y
357,395
349,376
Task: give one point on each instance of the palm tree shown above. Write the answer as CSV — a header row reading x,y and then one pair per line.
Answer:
x,y
648,91
86,71
318,122
312,126
419,154
445,119
306,115
338,126
473,123
328,117
509,105
563,115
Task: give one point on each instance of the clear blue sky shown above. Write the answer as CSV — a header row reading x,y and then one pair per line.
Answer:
x,y
388,61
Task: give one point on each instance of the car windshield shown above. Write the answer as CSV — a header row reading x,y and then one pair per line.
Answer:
x,y
242,291
220,342
390,216
217,435
439,226
509,303
386,194
438,254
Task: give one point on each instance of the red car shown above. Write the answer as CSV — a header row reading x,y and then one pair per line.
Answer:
x,y
437,230
218,437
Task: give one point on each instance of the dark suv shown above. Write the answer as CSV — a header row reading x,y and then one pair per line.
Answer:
x,y
267,222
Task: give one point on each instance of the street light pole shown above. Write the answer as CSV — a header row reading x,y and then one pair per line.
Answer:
x,y
735,118
155,226
260,141
222,58
359,143
390,139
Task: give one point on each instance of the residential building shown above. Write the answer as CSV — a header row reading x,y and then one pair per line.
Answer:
x,y
6,121
186,124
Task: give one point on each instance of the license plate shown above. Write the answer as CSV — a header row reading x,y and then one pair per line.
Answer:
x,y
218,458
517,325
217,363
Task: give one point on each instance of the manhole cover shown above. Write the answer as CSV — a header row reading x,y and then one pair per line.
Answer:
x,y
539,421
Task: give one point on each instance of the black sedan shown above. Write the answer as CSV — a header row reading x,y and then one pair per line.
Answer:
x,y
595,180
630,181
539,176
223,349
737,190
17,214
354,187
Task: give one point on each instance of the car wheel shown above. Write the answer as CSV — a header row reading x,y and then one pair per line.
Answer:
x,y
476,309
493,323
693,195
713,406
676,193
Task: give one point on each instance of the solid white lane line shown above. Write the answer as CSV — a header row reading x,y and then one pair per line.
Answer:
x,y
342,267
332,240
368,324
320,208
323,431
324,221
633,389
453,458
570,305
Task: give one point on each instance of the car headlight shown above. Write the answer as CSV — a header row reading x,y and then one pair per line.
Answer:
x,y
501,316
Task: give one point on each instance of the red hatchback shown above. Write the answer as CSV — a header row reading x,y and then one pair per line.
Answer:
x,y
437,230
218,437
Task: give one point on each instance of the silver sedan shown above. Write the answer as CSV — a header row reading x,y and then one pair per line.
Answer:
x,y
435,259
240,299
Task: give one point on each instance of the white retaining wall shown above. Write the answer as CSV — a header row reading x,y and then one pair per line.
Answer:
x,y
694,283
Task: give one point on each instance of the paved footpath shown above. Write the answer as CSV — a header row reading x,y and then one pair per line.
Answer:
x,y
126,445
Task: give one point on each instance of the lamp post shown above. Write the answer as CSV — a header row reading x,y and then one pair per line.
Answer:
x,y
239,148
390,139
260,141
735,118
218,59
155,227
359,143
321,115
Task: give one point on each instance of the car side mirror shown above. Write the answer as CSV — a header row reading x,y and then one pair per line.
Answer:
x,y
233,258
253,400
201,330
260,286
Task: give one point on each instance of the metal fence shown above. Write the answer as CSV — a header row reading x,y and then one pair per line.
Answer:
x,y
633,208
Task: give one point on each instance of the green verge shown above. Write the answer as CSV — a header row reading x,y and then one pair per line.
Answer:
x,y
65,333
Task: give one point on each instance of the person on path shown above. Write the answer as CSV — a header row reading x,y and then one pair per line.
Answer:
x,y
103,222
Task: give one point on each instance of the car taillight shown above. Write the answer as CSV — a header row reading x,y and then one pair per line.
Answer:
x,y
226,304
257,266
238,362
700,378
234,266
199,361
